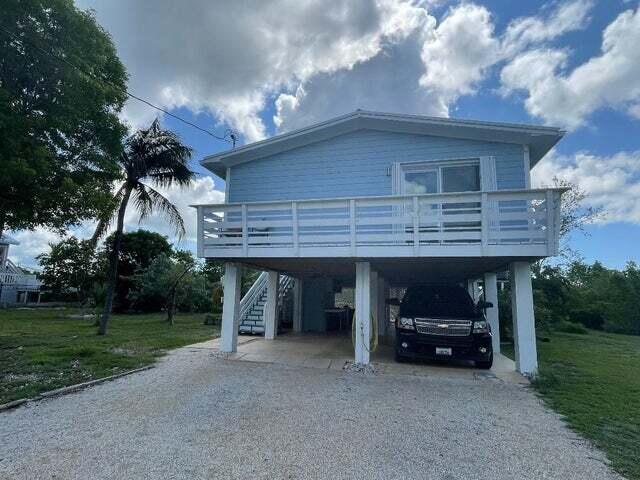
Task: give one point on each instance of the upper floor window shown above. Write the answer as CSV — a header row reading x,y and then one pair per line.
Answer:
x,y
438,178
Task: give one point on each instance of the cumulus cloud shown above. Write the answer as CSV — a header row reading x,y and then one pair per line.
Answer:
x,y
423,72
611,182
227,58
457,53
525,31
611,79
427,68
388,82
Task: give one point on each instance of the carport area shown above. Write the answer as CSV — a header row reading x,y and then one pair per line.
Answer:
x,y
335,352
322,286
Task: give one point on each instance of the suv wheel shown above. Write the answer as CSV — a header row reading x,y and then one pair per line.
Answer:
x,y
485,365
399,358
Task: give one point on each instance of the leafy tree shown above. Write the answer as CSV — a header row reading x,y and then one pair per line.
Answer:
x,y
150,155
69,267
173,283
594,296
137,252
59,125
575,215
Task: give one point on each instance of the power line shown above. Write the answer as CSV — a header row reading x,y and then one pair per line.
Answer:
x,y
229,135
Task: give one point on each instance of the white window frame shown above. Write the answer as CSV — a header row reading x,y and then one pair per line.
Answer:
x,y
486,171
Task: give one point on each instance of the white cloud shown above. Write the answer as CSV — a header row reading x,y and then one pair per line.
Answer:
x,y
457,53
32,244
611,79
387,82
229,57
427,67
423,72
525,31
611,182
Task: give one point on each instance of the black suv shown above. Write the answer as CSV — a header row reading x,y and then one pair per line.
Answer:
x,y
441,321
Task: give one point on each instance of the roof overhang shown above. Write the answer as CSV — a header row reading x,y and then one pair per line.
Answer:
x,y
8,240
539,139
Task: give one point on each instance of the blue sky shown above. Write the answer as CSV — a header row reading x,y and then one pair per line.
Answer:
x,y
272,66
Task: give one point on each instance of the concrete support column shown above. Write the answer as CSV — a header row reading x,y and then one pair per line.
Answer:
x,y
271,306
231,285
297,305
524,330
491,295
363,312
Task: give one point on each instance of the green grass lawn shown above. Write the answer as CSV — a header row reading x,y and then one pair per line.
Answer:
x,y
44,349
593,380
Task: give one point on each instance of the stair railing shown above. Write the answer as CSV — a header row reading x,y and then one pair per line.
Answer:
x,y
253,295
258,287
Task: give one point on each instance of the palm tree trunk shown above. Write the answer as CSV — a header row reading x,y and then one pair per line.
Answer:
x,y
113,264
171,311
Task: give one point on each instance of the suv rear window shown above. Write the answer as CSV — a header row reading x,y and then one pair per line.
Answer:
x,y
441,301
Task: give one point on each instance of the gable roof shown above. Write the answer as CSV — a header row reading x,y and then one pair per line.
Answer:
x,y
539,139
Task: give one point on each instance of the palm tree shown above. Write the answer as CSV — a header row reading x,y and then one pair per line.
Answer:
x,y
155,156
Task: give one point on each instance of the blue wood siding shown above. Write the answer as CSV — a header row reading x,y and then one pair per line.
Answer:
x,y
358,164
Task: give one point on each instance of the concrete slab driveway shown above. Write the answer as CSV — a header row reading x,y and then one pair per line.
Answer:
x,y
200,416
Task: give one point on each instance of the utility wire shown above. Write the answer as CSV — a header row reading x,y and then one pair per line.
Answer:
x,y
229,136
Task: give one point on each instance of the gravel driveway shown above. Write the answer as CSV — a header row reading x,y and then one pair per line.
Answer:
x,y
198,416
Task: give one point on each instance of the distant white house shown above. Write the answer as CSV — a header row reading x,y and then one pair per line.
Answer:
x,y
377,202
16,285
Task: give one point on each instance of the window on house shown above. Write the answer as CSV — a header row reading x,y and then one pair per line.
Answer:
x,y
461,178
429,178
421,182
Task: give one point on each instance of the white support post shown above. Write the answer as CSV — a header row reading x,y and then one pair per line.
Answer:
x,y
524,329
363,312
245,231
271,307
297,305
232,285
491,295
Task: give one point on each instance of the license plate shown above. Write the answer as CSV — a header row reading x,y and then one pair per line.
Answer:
x,y
443,351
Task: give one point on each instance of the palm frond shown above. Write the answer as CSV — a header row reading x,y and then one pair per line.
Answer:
x,y
143,201
158,155
149,200
103,222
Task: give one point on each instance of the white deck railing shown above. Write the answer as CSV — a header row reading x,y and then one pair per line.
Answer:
x,y
22,279
499,223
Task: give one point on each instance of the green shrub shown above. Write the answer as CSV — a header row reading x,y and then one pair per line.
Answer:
x,y
570,327
590,317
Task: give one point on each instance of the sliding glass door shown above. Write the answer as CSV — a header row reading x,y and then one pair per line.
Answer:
x,y
446,177
424,178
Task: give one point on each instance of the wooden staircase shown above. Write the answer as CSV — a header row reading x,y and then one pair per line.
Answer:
x,y
252,304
